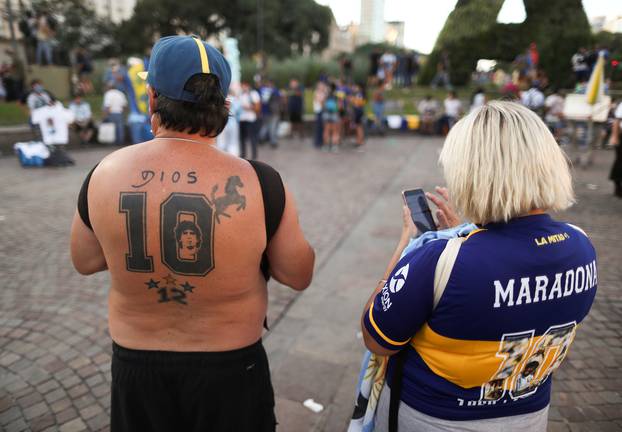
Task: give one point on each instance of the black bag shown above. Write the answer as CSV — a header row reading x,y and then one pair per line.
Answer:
x,y
58,157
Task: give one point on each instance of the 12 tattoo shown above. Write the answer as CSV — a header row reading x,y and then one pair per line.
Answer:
x,y
187,224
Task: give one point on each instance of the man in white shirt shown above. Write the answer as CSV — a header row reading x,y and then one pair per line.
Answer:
x,y
580,66
453,109
250,104
114,105
83,123
533,99
554,112
387,62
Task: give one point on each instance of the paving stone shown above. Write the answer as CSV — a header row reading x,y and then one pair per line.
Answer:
x,y
87,371
35,410
17,425
78,390
66,415
90,411
54,395
611,397
84,401
60,405
8,358
557,427
94,380
47,386
42,422
75,425
29,400
6,402
98,422
11,414
71,381
79,362
101,390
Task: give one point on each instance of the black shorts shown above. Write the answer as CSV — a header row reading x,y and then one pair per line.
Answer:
x,y
358,116
295,117
192,391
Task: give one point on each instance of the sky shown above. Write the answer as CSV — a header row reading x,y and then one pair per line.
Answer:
x,y
423,22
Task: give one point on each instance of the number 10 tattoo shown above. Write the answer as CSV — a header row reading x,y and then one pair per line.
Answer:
x,y
187,224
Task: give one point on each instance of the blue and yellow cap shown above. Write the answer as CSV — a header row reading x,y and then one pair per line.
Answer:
x,y
175,59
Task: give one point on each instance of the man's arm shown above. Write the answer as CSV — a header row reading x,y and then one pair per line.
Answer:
x,y
290,255
86,252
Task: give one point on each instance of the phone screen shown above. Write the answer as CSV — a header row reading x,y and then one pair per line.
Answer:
x,y
420,210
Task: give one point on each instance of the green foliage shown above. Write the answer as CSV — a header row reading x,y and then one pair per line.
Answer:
x,y
12,114
368,48
289,26
558,27
306,69
613,42
79,26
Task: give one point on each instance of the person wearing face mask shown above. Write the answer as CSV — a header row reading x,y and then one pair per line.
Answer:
x,y
38,97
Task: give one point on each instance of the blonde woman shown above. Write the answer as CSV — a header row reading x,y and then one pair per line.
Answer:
x,y
480,357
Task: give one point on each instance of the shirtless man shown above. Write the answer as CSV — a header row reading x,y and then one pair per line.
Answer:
x,y
190,235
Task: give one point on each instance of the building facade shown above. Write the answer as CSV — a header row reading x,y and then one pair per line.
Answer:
x,y
372,27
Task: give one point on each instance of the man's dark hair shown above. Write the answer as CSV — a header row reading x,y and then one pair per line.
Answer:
x,y
207,116
188,226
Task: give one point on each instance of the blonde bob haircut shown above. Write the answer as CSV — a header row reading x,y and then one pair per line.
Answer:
x,y
501,162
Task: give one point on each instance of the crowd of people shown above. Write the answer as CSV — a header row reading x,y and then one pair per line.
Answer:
x,y
262,114
257,112
399,68
39,30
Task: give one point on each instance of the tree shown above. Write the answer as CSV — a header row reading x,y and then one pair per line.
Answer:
x,y
612,42
471,32
289,26
77,25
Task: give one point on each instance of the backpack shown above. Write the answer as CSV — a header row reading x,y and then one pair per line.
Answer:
x,y
331,105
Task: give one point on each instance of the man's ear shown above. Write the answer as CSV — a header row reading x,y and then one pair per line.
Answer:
x,y
152,99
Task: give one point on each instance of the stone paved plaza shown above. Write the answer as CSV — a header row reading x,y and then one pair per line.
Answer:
x,y
54,345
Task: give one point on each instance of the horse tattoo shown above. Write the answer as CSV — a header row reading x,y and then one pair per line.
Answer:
x,y
231,197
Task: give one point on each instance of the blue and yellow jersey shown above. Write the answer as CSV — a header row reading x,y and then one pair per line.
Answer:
x,y
506,320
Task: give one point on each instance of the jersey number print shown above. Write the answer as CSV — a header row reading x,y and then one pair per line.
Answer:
x,y
528,361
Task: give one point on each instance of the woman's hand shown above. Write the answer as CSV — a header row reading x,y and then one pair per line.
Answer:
x,y
445,214
409,230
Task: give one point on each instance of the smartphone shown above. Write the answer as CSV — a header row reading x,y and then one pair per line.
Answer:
x,y
420,211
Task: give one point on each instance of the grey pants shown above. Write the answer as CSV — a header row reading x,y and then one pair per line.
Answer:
x,y
410,420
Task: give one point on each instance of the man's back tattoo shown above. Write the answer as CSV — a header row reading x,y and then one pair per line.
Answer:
x,y
187,227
